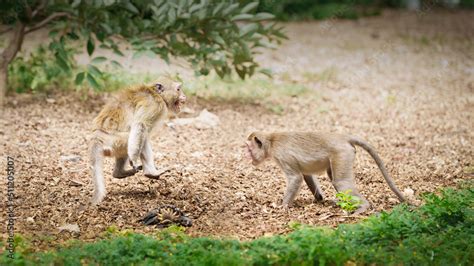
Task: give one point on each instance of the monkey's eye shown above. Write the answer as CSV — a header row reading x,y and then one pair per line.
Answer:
x,y
159,87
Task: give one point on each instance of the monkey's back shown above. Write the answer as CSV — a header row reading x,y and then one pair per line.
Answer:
x,y
116,115
112,118
309,150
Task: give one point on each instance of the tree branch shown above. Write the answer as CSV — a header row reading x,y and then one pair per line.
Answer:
x,y
40,7
46,21
13,46
28,10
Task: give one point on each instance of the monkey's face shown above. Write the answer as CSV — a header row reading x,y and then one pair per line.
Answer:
x,y
255,150
173,95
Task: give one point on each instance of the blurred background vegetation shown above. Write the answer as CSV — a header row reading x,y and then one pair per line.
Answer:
x,y
212,36
348,9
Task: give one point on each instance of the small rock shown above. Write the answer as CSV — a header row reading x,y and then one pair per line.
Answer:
x,y
180,122
393,200
206,120
241,195
408,192
73,228
159,155
50,100
70,158
30,220
75,183
187,110
197,154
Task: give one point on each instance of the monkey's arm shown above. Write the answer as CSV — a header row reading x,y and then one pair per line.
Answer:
x,y
145,116
137,136
293,184
135,142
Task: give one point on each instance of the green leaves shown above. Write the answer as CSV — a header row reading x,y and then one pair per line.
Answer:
x,y
404,236
229,9
347,201
248,29
115,64
90,46
242,17
79,78
94,70
91,80
91,74
130,7
263,16
62,62
212,35
99,59
249,7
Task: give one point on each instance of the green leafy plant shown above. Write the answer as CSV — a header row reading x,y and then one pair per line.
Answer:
x,y
347,201
441,232
223,36
310,9
37,72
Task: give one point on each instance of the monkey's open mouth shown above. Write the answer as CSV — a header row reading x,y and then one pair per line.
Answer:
x,y
178,104
249,155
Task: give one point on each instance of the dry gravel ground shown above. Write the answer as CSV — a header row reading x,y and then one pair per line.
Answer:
x,y
403,81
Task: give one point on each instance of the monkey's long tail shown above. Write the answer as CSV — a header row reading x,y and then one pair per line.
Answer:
x,y
366,146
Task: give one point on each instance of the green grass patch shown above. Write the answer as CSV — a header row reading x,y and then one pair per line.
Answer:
x,y
441,232
242,91
328,74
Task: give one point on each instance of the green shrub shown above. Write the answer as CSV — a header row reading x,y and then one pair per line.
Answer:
x,y
439,233
348,202
467,3
38,72
335,10
319,9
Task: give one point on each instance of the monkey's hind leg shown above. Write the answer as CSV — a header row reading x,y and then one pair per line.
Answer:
x,y
119,170
314,186
96,162
342,178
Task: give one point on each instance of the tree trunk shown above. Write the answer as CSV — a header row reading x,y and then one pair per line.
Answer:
x,y
14,45
3,84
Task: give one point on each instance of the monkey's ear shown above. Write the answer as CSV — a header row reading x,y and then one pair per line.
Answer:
x,y
159,88
259,143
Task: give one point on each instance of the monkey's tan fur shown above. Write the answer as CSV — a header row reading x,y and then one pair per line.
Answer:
x,y
302,154
122,129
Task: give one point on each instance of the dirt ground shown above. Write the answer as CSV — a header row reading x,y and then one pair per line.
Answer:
x,y
403,81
